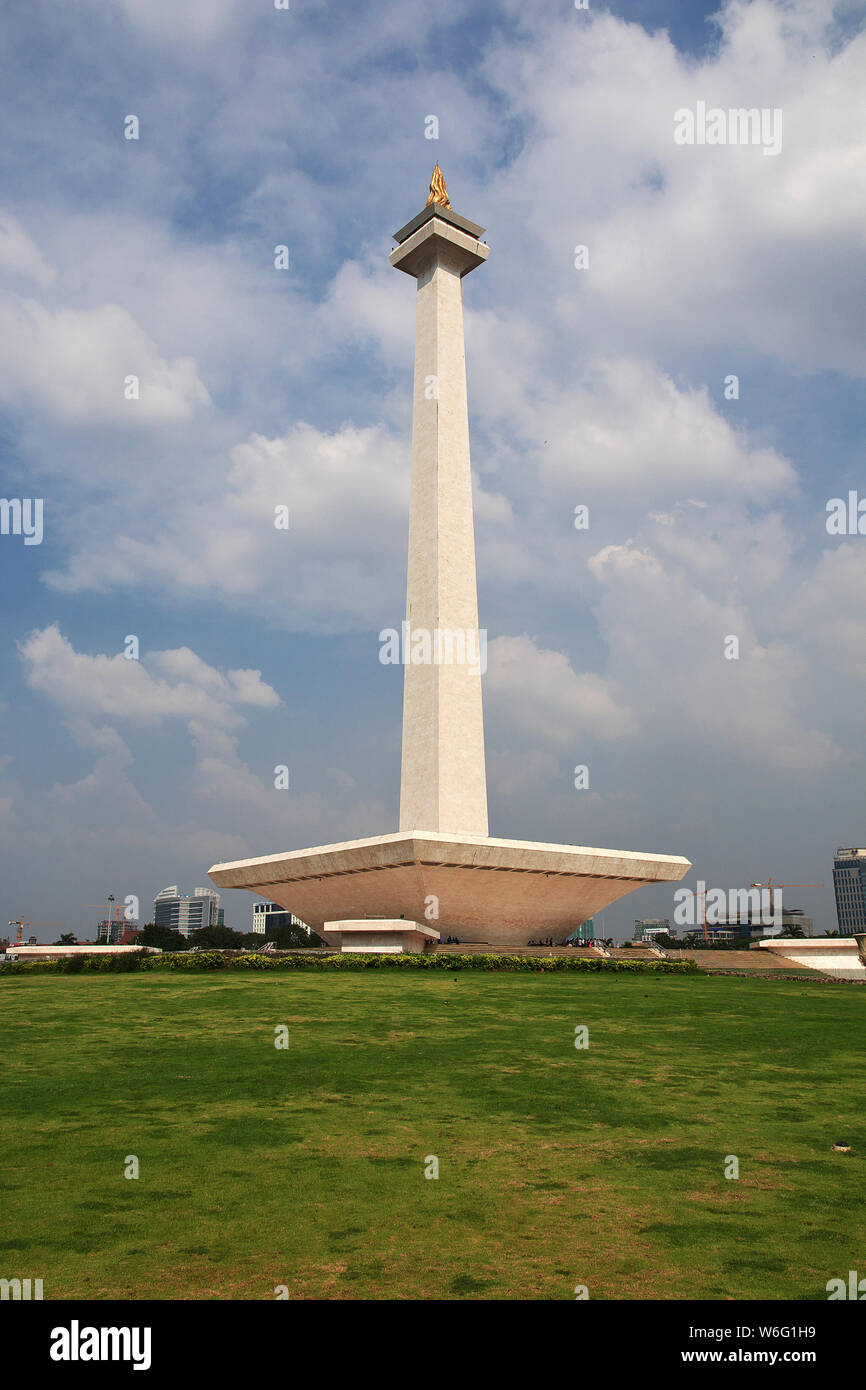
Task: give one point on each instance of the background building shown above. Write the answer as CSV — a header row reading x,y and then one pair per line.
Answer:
x,y
793,920
585,932
792,917
110,933
117,933
645,928
267,917
849,882
185,913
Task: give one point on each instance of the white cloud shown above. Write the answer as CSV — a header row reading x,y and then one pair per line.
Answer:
x,y
827,611
668,603
73,363
199,817
216,808
91,687
181,21
627,427
335,568
535,691
693,245
20,254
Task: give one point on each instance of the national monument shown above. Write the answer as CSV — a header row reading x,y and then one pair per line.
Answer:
x,y
441,873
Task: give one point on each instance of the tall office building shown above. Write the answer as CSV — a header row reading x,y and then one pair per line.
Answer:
x,y
849,881
186,913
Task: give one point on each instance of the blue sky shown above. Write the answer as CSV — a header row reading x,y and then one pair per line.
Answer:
x,y
258,387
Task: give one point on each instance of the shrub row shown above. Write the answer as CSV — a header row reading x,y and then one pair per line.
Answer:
x,y
217,960
128,963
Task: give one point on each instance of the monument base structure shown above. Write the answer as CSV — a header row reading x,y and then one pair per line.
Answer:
x,y
500,891
380,935
442,867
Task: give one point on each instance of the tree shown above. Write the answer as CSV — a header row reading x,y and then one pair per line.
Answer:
x,y
164,937
667,943
218,938
66,939
287,936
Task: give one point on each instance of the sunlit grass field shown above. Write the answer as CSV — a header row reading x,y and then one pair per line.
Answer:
x,y
305,1167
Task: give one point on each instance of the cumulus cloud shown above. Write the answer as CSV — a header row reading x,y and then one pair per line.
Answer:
x,y
696,244
181,21
537,693
214,806
94,693
827,612
626,429
114,687
75,364
334,568
19,253
669,604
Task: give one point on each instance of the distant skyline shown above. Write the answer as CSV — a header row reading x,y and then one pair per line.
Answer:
x,y
598,380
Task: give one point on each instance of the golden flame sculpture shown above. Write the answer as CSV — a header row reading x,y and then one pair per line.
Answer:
x,y
438,191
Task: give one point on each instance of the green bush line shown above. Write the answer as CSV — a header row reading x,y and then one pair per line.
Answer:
x,y
214,960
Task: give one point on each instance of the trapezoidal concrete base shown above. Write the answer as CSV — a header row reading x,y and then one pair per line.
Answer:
x,y
499,891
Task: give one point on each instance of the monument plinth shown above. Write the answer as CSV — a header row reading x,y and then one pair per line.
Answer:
x,y
441,868
381,936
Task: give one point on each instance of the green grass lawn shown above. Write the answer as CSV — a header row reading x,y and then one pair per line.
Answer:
x,y
305,1167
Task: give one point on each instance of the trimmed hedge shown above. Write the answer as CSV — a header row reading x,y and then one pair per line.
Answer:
x,y
128,963
218,960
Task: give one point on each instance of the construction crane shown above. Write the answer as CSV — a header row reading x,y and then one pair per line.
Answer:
x,y
771,886
21,925
107,907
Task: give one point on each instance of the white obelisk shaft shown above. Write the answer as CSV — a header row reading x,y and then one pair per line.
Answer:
x,y
443,781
